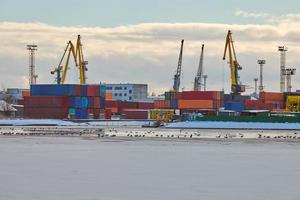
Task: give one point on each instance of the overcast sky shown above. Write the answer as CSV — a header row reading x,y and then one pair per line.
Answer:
x,y
138,40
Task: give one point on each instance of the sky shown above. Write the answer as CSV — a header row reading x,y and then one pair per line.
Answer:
x,y
138,41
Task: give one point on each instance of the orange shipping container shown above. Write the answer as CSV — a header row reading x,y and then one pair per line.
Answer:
x,y
195,104
271,96
26,93
108,96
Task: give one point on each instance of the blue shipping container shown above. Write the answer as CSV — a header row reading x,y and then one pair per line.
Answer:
x,y
102,102
102,90
90,102
174,103
53,90
81,113
236,106
83,90
84,102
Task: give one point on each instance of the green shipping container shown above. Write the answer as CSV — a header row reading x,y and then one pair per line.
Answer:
x,y
167,95
72,111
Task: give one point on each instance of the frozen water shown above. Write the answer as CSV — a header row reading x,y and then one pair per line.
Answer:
x,y
73,168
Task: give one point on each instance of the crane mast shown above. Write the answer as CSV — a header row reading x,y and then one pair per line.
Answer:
x,y
198,79
236,87
176,84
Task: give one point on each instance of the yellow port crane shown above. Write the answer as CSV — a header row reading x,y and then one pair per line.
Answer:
x,y
236,86
77,53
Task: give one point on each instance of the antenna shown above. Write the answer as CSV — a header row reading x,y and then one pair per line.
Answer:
x,y
32,76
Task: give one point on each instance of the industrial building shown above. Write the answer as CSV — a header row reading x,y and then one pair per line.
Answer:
x,y
128,91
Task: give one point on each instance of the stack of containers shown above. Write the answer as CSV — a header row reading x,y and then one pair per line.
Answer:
x,y
173,98
257,105
62,101
200,100
275,100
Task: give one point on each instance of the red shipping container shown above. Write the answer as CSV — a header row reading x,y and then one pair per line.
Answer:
x,y
96,102
201,95
108,113
145,105
78,90
111,104
127,105
135,114
161,104
93,90
46,101
46,113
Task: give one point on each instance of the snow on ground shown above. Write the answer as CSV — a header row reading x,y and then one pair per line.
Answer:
x,y
235,125
27,122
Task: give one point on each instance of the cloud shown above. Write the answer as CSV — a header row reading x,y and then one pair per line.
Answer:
x,y
242,13
148,52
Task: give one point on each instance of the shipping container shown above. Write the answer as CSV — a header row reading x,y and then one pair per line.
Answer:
x,y
195,104
25,93
162,104
174,103
167,95
91,102
72,111
45,113
108,96
236,106
54,90
201,95
102,90
145,105
46,101
111,103
93,90
84,102
135,113
96,102
271,96
84,89
127,105
81,113
165,115
108,113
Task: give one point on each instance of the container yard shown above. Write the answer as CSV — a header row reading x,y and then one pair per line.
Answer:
x,y
129,101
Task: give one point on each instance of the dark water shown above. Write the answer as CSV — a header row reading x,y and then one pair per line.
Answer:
x,y
50,168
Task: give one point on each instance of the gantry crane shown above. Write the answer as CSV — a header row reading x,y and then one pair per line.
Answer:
x,y
176,84
236,86
77,54
198,79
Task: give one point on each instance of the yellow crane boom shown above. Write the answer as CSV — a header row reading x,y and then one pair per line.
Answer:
x,y
77,53
236,86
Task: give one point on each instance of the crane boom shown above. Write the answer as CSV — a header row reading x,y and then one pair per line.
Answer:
x,y
236,86
198,79
176,84
77,54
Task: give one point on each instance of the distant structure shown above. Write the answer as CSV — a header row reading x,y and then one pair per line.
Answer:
x,y
198,78
289,73
261,85
282,50
255,87
128,91
204,84
32,76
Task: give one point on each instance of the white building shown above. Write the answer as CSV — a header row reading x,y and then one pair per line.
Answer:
x,y
128,91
